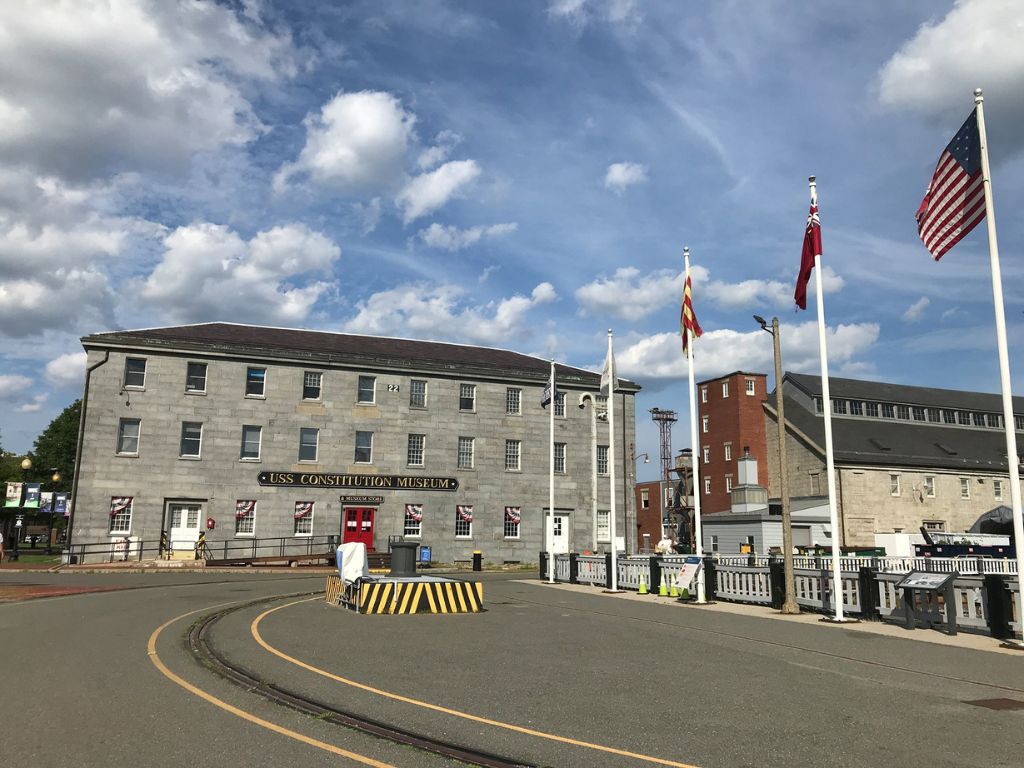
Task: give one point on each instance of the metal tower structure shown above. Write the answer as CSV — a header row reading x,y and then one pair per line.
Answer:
x,y
665,420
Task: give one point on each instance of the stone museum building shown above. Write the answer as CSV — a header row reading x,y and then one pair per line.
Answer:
x,y
252,433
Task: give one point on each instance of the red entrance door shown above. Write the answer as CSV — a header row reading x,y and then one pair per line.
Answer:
x,y
359,525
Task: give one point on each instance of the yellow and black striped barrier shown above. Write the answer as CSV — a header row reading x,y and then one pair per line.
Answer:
x,y
399,597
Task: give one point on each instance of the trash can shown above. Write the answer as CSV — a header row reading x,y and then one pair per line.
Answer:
x,y
403,558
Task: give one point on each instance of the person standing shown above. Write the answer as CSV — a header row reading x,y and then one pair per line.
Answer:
x,y
1,547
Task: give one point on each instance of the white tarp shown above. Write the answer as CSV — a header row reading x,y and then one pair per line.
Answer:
x,y
352,563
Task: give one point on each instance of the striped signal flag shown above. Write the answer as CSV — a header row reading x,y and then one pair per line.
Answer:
x,y
955,200
687,319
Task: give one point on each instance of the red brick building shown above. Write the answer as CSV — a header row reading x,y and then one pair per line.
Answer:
x,y
730,421
649,501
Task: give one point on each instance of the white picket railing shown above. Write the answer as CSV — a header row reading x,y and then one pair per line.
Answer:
x,y
962,565
591,569
744,584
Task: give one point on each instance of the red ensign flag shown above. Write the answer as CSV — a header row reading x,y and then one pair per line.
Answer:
x,y
688,320
812,248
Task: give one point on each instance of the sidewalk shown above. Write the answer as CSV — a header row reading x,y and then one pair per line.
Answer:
x,y
966,640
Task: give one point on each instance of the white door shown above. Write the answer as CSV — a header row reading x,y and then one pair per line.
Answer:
x,y
184,525
560,534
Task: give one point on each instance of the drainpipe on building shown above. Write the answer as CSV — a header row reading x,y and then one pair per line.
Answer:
x,y
78,452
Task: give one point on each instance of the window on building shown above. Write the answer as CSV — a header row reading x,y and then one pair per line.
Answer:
x,y
963,418
417,393
707,486
128,436
513,516
414,453
366,389
704,424
749,541
706,451
121,514
894,485
465,455
467,397
513,401
191,439
856,408
839,407
918,413
751,386
134,373
728,451
1018,423
512,451
704,394
929,486
815,480
645,498
309,440
997,490
604,532
364,447
871,410
888,411
245,517
948,416
725,389
463,521
255,382
311,381
903,412
965,487
560,458
819,405
252,437
714,544
934,415
728,483
413,526
937,526
195,378
978,419
560,404
602,459
303,518
995,420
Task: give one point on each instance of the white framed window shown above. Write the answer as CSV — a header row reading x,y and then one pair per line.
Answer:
x,y
706,451
463,521
303,518
512,455
903,412
704,394
604,531
888,411
871,409
725,389
602,459
894,485
934,416
252,438
312,384
997,490
815,478
513,401
245,517
948,416
467,397
128,437
366,390
819,405
929,486
918,413
707,486
191,440
728,451
839,407
714,544
195,378
560,404
937,526
645,498
417,393
513,517
963,418
121,514
728,483
704,424
751,386
309,442
364,447
414,453
560,458
965,487
465,453
255,382
413,526
856,408
1018,423
134,373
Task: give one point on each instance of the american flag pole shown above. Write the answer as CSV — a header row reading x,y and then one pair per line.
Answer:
x,y
550,522
1004,360
694,445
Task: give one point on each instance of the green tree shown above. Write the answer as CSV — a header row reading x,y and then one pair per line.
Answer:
x,y
55,448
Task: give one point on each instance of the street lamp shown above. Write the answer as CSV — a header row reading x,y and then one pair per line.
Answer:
x,y
789,604
595,414
26,467
54,479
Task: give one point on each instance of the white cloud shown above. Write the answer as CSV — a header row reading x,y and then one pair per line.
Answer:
x,y
580,12
357,143
34,405
89,87
978,43
452,238
65,299
444,311
67,371
622,175
429,191
209,272
368,215
12,385
445,142
915,310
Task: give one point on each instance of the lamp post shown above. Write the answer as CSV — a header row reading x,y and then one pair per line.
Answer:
x,y
595,414
635,458
789,604
54,479
26,467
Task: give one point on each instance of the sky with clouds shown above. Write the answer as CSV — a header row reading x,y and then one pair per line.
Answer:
x,y
522,175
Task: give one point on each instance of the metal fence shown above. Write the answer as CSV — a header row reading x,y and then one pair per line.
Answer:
x,y
137,550
962,565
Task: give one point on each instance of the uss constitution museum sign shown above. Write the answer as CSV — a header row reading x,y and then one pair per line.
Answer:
x,y
379,482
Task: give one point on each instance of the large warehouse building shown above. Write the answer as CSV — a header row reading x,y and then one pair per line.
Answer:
x,y
253,433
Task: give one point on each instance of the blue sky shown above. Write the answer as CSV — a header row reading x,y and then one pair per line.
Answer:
x,y
522,175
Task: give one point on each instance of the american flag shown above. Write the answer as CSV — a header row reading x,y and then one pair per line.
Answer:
x,y
414,512
302,509
812,248
955,200
465,513
688,320
244,507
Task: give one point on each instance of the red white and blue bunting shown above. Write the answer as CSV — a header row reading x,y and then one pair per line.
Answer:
x,y
244,508
513,514
120,504
465,513
303,509
414,512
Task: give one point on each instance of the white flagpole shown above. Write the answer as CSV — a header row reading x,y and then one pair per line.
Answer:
x,y
550,526
1004,360
694,446
611,462
826,406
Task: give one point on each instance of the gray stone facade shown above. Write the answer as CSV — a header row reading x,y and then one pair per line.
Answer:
x,y
156,475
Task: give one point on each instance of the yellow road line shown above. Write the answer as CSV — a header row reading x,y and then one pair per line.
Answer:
x,y
158,663
254,629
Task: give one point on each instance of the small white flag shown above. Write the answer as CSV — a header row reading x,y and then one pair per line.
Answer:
x,y
609,381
